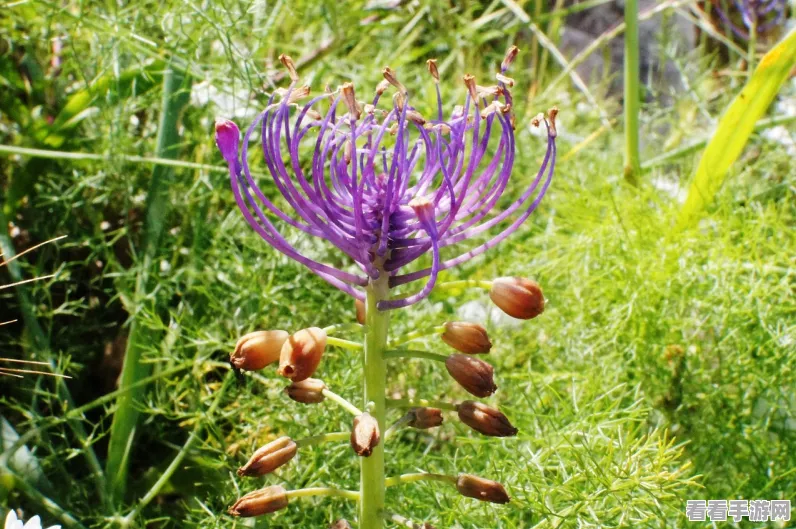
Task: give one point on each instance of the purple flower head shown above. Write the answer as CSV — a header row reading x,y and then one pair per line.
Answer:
x,y
384,183
762,15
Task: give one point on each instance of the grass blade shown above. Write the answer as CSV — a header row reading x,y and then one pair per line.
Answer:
x,y
736,126
175,98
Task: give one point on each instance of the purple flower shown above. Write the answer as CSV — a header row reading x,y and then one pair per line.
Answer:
x,y
763,15
383,183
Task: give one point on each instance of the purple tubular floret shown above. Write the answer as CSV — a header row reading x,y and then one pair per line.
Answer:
x,y
386,186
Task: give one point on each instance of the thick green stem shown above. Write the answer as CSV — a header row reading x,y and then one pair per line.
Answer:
x,y
371,485
632,157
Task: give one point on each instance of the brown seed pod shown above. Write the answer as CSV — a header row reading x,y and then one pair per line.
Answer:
x,y
473,374
301,354
466,337
424,418
485,420
365,434
269,457
481,489
307,391
518,297
256,350
260,502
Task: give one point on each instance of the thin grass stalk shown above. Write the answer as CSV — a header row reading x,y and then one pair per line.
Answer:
x,y
177,461
632,102
41,346
125,419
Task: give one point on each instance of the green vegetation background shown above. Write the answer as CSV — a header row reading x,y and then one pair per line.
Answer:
x,y
662,369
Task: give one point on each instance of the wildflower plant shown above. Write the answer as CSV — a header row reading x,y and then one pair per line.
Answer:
x,y
386,186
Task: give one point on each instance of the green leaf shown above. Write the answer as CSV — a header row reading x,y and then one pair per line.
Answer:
x,y
736,126
134,81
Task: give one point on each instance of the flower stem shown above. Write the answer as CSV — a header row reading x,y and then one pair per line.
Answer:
x,y
462,284
418,476
400,423
422,333
340,401
371,485
420,403
323,438
323,491
345,344
409,353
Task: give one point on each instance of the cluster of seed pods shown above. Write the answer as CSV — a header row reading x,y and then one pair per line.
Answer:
x,y
298,356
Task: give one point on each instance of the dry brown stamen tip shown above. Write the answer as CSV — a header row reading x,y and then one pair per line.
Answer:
x,y
508,81
290,65
398,101
511,54
552,114
389,75
469,82
431,64
349,97
537,119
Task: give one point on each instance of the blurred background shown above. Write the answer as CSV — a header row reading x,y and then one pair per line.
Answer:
x,y
662,369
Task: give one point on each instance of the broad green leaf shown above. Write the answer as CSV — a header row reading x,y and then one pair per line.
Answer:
x,y
737,125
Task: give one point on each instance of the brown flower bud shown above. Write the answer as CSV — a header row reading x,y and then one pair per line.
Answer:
x,y
552,114
340,524
261,501
290,65
389,76
424,418
359,305
474,375
269,457
518,297
365,434
465,337
301,354
431,64
258,349
485,420
349,97
469,82
511,54
307,391
481,489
